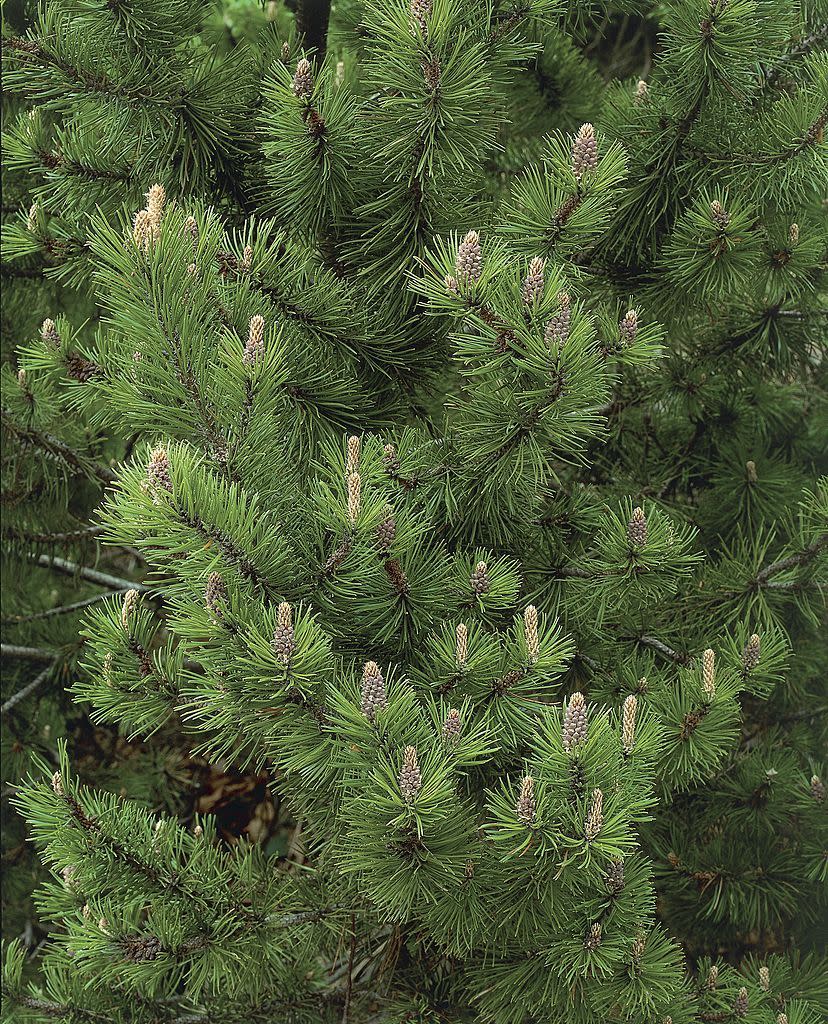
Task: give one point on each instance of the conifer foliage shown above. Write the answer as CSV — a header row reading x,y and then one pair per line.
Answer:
x,y
429,412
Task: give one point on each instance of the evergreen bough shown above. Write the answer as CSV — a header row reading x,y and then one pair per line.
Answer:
x,y
423,418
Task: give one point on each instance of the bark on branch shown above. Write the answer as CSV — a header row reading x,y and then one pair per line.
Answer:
x,y
312,22
807,554
102,579
27,690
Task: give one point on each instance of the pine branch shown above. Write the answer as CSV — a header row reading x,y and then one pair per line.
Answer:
x,y
503,24
346,1012
62,1011
102,579
48,654
683,128
27,653
796,314
66,537
229,549
800,49
27,690
810,138
29,49
791,585
32,53
305,916
21,272
93,827
62,537
801,558
54,446
279,682
570,572
801,716
65,609
761,728
51,160
678,657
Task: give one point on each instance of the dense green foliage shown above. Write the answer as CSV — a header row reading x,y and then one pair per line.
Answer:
x,y
438,427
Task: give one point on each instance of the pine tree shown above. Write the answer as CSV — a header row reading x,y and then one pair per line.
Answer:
x,y
430,414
